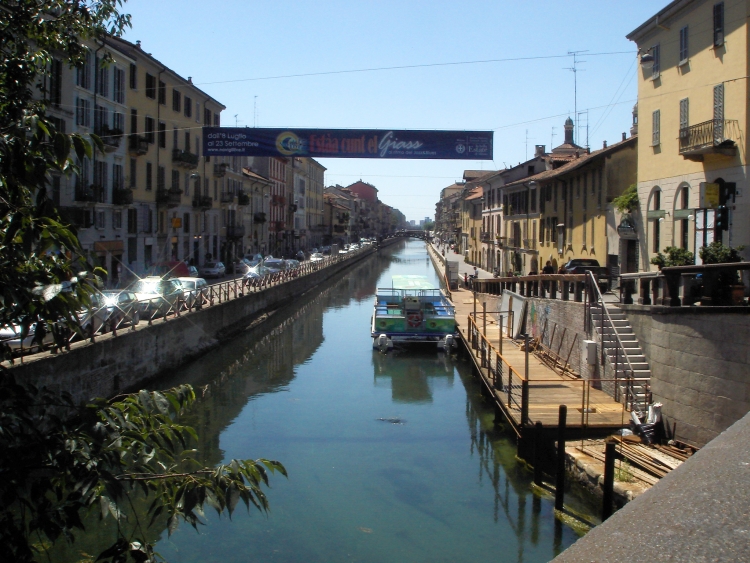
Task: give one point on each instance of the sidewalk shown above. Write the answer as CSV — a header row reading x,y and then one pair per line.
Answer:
x,y
463,267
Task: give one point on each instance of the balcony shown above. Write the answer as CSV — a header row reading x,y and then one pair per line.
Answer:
x,y
220,169
169,197
709,137
91,194
278,200
243,198
184,159
235,231
259,217
122,196
226,197
137,145
203,202
485,236
110,138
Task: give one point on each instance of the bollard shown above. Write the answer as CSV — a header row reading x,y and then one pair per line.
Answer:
x,y
609,480
560,469
538,450
526,345
484,318
474,294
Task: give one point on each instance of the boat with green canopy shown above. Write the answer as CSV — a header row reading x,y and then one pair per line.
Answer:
x,y
411,311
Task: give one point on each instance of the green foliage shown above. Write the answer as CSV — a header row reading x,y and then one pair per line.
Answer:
x,y
428,226
675,257
719,253
56,469
60,461
627,202
624,473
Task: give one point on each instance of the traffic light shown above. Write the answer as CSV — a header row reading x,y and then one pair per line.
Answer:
x,y
722,218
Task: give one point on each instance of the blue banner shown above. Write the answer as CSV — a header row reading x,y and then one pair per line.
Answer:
x,y
347,143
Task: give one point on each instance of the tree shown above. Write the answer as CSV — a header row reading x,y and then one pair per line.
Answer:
x,y
627,202
60,460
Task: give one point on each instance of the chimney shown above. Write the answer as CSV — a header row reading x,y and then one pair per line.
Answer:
x,y
190,79
577,154
138,44
604,145
588,150
624,136
539,150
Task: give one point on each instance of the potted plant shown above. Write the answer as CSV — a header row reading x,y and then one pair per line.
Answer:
x,y
724,286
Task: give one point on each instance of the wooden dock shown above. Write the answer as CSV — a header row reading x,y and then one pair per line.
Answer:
x,y
524,395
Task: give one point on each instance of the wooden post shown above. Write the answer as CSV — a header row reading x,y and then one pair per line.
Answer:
x,y
560,469
538,450
524,402
484,318
526,346
500,327
609,480
565,290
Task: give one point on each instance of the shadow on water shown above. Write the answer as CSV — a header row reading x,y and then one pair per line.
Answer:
x,y
390,458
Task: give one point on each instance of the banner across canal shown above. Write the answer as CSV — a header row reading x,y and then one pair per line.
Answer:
x,y
348,143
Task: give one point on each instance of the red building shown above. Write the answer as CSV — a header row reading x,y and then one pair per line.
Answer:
x,y
365,191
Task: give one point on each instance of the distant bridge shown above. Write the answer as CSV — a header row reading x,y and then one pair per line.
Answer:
x,y
420,234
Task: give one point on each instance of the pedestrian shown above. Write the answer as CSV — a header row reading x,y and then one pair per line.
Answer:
x,y
476,272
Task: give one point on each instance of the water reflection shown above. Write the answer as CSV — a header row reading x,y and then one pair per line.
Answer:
x,y
412,374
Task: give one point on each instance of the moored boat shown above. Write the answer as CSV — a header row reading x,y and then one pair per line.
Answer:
x,y
412,311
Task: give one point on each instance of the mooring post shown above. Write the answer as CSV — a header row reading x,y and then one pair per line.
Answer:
x,y
474,294
526,346
609,480
538,450
560,470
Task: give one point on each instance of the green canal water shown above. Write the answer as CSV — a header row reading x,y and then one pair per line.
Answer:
x,y
435,481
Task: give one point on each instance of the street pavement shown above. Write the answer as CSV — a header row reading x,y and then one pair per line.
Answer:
x,y
463,266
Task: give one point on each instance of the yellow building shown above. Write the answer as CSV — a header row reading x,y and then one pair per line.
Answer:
x,y
176,210
566,213
693,108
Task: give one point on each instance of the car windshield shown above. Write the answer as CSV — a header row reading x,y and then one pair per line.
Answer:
x,y
147,286
210,264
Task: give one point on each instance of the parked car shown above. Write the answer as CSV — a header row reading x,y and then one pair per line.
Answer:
x,y
255,272
253,259
173,269
300,255
212,270
193,272
583,265
120,306
158,296
242,266
11,335
316,257
195,291
274,265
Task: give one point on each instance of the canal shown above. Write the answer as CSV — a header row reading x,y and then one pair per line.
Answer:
x,y
390,457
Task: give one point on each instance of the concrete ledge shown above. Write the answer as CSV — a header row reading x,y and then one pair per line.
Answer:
x,y
698,512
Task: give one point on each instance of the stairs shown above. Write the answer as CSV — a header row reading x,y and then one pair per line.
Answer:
x,y
635,396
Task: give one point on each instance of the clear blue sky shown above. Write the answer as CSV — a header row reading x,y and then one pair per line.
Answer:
x,y
232,48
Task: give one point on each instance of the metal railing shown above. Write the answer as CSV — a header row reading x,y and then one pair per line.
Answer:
x,y
710,133
610,340
99,322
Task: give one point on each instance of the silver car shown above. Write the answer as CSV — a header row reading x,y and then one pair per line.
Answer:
x,y
195,291
213,270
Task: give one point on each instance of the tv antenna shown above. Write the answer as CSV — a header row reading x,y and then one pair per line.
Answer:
x,y
235,119
575,71
552,139
584,113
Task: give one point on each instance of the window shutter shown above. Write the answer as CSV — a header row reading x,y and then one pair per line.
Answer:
x,y
655,131
718,113
718,24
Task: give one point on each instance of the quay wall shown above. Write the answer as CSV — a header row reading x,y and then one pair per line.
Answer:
x,y
700,366
133,358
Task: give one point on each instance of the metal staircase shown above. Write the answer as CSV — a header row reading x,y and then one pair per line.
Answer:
x,y
621,353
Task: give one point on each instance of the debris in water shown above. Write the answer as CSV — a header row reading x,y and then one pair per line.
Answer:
x,y
365,530
392,420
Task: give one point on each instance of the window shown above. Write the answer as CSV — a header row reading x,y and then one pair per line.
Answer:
x,y
188,107
133,170
55,82
583,229
133,76
102,78
149,176
117,177
132,221
100,219
656,69
116,219
532,195
101,121
718,24
684,114
150,86
187,141
197,112
217,120
118,122
83,72
655,128
150,129
100,174
207,117
186,222
175,179
162,134
133,121
684,45
176,100
174,138
161,178
187,184
118,93
83,112
162,93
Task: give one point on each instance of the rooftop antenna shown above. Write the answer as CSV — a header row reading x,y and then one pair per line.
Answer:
x,y
552,139
578,120
575,70
527,144
235,119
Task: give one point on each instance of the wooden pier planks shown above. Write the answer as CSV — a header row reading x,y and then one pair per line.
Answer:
x,y
547,388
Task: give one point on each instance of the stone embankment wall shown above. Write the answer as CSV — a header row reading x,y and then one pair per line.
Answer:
x,y
700,366
131,359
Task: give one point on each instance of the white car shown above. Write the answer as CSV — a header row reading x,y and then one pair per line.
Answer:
x,y
316,257
212,270
195,291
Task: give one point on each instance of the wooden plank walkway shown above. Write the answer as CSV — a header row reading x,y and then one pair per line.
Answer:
x,y
504,375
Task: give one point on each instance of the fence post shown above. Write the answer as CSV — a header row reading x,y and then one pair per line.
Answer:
x,y
609,480
524,402
560,469
500,326
484,318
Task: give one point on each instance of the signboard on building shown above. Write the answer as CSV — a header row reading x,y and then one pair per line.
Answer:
x,y
347,143
710,195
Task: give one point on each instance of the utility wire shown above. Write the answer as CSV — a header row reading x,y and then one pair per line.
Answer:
x,y
401,67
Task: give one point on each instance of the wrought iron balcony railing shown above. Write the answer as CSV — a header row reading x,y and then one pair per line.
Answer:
x,y
709,137
137,144
184,159
122,196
